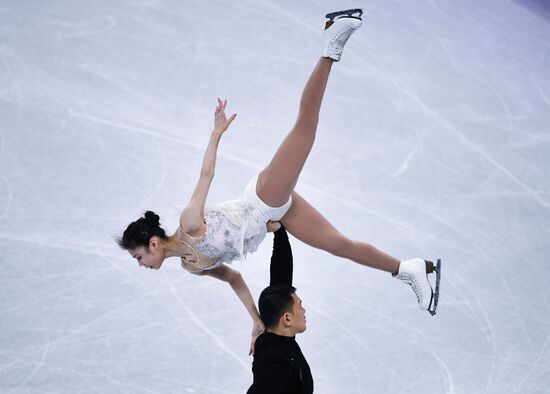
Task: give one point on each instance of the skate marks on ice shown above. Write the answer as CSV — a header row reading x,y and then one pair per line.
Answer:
x,y
433,134
430,113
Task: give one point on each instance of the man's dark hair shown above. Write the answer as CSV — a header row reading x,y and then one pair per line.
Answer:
x,y
274,301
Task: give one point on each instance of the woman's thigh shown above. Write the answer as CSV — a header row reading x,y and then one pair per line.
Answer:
x,y
307,224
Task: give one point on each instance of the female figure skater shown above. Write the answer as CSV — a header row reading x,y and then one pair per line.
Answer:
x,y
211,235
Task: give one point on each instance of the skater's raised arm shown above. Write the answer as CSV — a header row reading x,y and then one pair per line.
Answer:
x,y
191,219
237,283
281,266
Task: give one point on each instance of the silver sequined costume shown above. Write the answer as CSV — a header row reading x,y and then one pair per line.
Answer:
x,y
234,228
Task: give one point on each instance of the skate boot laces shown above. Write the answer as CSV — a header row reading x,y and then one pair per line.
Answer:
x,y
415,273
338,39
411,280
338,29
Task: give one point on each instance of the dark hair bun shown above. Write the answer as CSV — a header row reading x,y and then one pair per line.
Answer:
x,y
139,233
152,218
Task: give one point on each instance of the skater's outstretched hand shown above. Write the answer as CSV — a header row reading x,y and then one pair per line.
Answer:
x,y
221,123
257,330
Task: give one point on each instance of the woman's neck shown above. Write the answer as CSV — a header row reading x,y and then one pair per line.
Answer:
x,y
171,247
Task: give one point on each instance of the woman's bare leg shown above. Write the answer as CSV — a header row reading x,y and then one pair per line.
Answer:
x,y
305,223
277,181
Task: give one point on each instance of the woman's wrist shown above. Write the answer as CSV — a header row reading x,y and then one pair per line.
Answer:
x,y
217,132
257,320
255,315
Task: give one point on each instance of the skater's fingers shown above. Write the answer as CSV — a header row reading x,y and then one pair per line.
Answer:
x,y
273,226
231,119
251,350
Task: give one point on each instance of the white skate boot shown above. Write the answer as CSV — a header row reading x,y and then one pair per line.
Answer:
x,y
338,28
415,273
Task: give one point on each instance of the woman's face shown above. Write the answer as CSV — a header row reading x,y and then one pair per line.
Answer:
x,y
149,258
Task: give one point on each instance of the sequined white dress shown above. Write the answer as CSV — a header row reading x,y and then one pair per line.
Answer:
x,y
234,229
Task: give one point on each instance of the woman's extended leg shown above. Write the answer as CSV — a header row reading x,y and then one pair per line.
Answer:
x,y
309,226
277,181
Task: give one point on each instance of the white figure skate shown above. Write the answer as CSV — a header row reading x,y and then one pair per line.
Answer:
x,y
338,29
415,273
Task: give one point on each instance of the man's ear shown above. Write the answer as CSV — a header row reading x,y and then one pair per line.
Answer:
x,y
286,319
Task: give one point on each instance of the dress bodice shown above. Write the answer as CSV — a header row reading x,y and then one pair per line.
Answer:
x,y
192,259
232,231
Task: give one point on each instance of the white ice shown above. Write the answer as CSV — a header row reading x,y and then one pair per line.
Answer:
x,y
434,142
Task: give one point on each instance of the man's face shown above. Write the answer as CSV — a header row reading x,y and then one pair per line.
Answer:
x,y
298,315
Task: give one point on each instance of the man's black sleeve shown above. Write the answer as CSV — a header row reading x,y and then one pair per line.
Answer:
x,y
281,260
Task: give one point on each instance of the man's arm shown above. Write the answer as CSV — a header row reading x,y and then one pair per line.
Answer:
x,y
281,266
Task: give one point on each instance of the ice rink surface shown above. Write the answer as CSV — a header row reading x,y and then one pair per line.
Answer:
x,y
434,142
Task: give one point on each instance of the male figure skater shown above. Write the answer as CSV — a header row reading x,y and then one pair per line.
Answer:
x,y
279,366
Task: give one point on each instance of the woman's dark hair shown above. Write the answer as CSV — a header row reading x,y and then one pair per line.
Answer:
x,y
274,301
140,232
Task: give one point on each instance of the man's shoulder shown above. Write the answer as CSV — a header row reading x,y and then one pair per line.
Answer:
x,y
273,351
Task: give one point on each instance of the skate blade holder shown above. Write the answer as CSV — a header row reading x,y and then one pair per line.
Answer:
x,y
437,269
350,14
